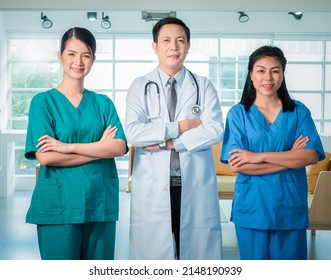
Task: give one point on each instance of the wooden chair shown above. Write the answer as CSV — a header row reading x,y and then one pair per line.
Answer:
x,y
320,208
131,155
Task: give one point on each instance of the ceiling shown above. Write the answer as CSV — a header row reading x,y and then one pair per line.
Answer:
x,y
171,5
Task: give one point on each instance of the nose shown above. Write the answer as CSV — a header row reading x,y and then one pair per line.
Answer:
x,y
174,45
268,76
79,60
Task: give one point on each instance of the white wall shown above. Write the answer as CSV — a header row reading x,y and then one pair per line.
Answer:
x,y
199,22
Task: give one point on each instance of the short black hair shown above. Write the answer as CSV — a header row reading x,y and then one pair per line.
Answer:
x,y
170,20
81,34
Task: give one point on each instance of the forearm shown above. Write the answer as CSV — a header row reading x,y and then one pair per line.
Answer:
x,y
64,160
257,168
101,149
291,159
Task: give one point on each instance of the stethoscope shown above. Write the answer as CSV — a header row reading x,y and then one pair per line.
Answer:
x,y
196,109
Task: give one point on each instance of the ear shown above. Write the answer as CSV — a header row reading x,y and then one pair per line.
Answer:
x,y
154,46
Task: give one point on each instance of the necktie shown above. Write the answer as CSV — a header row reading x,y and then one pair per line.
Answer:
x,y
172,103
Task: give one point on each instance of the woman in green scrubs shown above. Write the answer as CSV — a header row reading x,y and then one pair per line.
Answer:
x,y
75,134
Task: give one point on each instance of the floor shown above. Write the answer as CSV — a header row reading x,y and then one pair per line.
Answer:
x,y
18,240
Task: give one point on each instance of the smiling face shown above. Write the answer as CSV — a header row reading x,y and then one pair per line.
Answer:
x,y
267,76
171,48
76,59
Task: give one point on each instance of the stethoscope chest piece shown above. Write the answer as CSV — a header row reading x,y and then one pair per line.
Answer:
x,y
196,109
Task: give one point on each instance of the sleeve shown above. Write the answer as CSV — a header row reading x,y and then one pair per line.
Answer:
x,y
114,120
40,123
306,127
235,135
211,130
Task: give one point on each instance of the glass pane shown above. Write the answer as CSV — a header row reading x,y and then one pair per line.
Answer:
x,y
301,50
34,74
228,76
120,104
327,128
100,77
328,77
203,49
23,165
304,77
327,107
19,124
312,101
21,103
328,51
33,49
203,69
125,73
104,49
134,49
241,47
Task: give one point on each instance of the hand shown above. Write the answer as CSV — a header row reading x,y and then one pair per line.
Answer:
x,y
185,125
300,143
48,143
155,147
109,133
240,157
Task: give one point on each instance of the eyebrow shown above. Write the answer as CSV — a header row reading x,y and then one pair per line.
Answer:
x,y
266,67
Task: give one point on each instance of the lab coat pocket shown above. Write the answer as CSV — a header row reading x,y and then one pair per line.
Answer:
x,y
49,196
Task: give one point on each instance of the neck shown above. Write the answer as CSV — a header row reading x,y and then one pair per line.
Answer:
x,y
72,88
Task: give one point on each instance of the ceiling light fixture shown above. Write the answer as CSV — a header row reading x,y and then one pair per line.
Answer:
x,y
243,17
296,15
156,16
47,23
105,23
92,16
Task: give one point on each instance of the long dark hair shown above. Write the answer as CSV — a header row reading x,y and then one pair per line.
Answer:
x,y
81,34
249,93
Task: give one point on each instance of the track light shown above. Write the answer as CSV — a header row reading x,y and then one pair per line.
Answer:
x,y
296,15
243,17
92,16
156,16
47,23
105,23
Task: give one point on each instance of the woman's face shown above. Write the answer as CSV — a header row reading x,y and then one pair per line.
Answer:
x,y
76,59
267,76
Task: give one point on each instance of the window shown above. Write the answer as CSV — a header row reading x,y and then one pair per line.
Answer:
x,y
33,67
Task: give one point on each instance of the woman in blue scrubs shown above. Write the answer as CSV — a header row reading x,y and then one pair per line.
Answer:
x,y
269,139
75,134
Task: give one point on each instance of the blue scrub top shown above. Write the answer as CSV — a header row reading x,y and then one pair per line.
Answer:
x,y
85,193
277,200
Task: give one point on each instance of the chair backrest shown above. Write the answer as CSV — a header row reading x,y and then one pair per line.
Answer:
x,y
320,209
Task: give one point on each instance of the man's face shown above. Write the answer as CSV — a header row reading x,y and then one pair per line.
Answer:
x,y
171,48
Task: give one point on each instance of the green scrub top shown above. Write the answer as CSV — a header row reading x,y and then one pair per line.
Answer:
x,y
77,194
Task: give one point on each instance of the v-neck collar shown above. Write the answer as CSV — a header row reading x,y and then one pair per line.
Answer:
x,y
67,102
261,118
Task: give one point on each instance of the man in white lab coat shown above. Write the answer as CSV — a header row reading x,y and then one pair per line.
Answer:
x,y
174,212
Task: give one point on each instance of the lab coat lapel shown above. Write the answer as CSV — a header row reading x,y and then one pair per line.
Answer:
x,y
187,91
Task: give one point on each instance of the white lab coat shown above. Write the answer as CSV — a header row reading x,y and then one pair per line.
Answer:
x,y
150,221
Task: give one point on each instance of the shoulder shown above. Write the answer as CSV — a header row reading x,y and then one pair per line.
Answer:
x,y
42,97
301,108
99,98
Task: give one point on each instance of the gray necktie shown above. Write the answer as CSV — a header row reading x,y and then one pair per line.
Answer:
x,y
172,103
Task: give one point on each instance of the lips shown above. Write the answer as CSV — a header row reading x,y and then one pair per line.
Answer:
x,y
268,86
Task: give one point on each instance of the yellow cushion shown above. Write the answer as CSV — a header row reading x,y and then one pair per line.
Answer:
x,y
221,168
314,170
